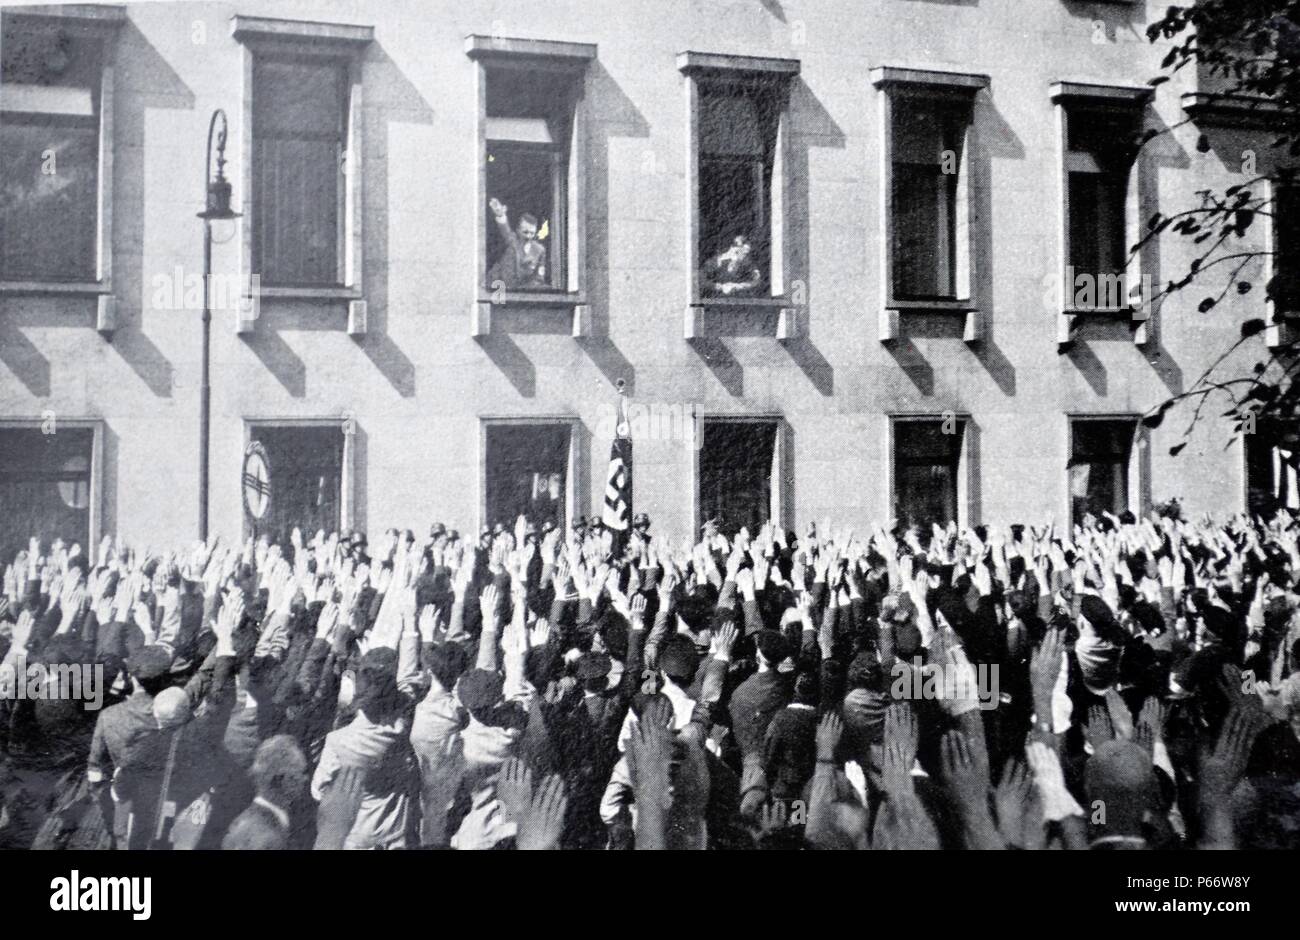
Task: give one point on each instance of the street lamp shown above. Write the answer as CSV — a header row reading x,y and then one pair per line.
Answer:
x,y
216,208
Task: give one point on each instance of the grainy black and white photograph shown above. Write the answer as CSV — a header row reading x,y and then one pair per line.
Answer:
x,y
618,425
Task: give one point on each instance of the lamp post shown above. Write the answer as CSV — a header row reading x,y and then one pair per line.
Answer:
x,y
216,208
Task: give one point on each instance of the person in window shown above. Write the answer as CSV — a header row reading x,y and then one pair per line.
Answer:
x,y
732,271
523,261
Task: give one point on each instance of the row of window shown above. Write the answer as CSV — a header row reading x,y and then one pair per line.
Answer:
x,y
528,468
532,99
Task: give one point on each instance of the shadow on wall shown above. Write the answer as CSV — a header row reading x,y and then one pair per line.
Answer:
x,y
613,115
153,86
992,139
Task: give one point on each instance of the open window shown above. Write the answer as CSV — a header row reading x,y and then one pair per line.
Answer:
x,y
1272,465
527,472
56,151
1284,264
308,470
302,226
48,486
531,175
737,184
300,110
1103,204
738,473
927,119
928,471
1102,471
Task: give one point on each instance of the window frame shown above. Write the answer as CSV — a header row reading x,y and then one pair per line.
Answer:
x,y
567,62
99,24
575,484
1267,430
958,91
95,505
1281,323
278,39
966,469
772,75
1139,203
340,67
347,472
1137,497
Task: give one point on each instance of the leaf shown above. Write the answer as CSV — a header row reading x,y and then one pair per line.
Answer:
x,y
1260,368
1158,80
1154,420
1177,449
1243,287
1202,144
1205,305
1252,326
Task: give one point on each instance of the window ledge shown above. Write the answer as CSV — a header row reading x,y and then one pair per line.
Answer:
x,y
972,330
521,298
263,28
791,319
56,288
1121,95
576,302
573,54
888,76
937,305
1224,110
1124,311
76,14
710,63
742,303
309,293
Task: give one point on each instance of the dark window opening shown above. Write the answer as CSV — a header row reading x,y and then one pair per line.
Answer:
x,y
737,473
306,465
927,461
527,474
49,149
1099,467
737,155
1101,148
299,142
529,122
1272,465
44,488
1285,289
927,154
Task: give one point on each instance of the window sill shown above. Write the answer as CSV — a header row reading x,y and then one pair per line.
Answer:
x,y
309,293
56,288
576,303
520,298
936,305
1099,311
891,314
742,303
791,319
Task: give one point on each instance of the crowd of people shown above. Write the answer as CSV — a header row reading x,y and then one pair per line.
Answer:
x,y
1125,684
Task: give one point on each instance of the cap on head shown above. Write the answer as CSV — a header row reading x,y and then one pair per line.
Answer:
x,y
171,708
149,662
